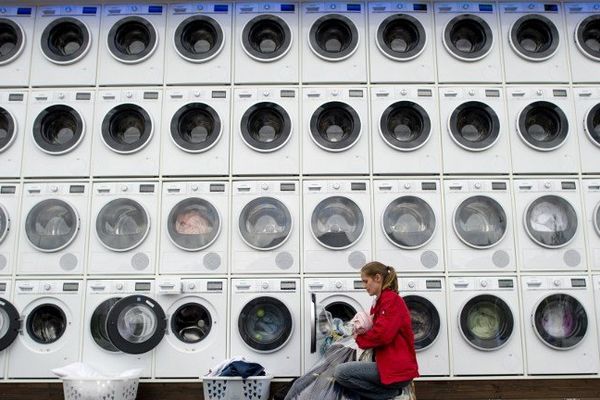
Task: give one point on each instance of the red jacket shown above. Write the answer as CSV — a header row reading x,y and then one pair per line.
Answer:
x,y
392,339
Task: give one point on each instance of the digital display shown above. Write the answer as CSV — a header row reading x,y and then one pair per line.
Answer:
x,y
77,189
551,7
142,286
428,186
578,282
353,7
70,287
420,7
486,8
288,187
89,10
8,190
498,185
23,11
568,185
16,97
216,286
155,9
150,95
433,284
221,8
358,186
505,283
288,285
217,187
2,287
288,7
146,188
83,96
219,94
359,285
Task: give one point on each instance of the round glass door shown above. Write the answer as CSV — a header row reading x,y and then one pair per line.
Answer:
x,y
132,40
587,37
596,219
405,126
8,129
337,222
65,40
191,323
543,126
486,322
474,126
51,225
122,225
127,128
534,37
333,37
468,37
560,321
401,37
98,324
266,38
199,39
592,125
12,40
58,129
46,323
265,324
335,126
193,224
409,222
4,223
331,314
480,222
551,221
266,127
425,321
195,128
265,223
9,324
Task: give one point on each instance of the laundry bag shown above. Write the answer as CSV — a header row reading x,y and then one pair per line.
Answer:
x,y
100,388
236,388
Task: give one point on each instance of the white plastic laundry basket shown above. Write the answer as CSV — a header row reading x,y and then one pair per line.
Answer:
x,y
100,389
235,388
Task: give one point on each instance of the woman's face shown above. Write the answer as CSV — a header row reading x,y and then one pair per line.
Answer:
x,y
372,284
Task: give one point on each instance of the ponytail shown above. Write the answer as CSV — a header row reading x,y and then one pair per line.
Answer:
x,y
390,279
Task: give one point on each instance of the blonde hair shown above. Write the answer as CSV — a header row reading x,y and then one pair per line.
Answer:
x,y
390,279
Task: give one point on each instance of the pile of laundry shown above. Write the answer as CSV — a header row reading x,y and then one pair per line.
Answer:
x,y
237,366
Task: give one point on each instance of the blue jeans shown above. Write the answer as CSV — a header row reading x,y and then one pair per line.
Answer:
x,y
363,378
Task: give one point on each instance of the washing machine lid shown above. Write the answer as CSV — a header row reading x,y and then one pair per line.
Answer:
x,y
65,40
122,224
409,222
425,320
480,222
405,126
534,37
193,224
10,323
132,39
333,37
98,324
474,126
46,323
266,127
191,323
196,127
265,223
8,129
337,222
52,225
4,223
543,126
265,324
592,125
587,37
127,128
58,129
551,221
468,37
136,324
199,38
560,321
12,40
486,322
266,38
401,37
335,126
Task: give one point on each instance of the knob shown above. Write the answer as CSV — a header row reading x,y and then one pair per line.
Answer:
x,y
596,6
266,93
407,185
547,185
47,286
484,283
411,284
539,92
531,6
68,9
471,92
61,96
124,188
265,186
129,95
335,93
466,6
119,286
332,6
194,188
267,6
134,8
265,285
197,93
404,92
200,7
400,6
338,284
556,282
191,286
477,185
54,188
336,185
3,10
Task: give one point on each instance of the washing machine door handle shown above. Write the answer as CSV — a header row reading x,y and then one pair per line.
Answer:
x,y
313,323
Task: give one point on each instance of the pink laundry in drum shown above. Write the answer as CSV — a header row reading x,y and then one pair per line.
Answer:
x,y
361,322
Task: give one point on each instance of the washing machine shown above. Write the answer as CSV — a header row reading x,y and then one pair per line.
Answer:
x,y
10,201
266,131
486,333
54,225
266,41
335,131
66,46
50,332
535,44
408,224
198,43
474,131
583,24
126,132
196,331
195,219
132,49
17,23
13,111
10,319
404,126
339,296
124,215
479,225
591,203
265,323
550,219
545,139
59,133
123,323
267,217
560,326
335,33
403,35
426,301
587,111
468,47
337,231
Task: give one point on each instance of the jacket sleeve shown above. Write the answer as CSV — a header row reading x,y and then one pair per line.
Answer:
x,y
386,327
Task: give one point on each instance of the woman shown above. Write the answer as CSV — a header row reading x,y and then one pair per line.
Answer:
x,y
391,339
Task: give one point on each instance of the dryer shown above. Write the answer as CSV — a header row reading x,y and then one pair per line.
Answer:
x,y
339,296
267,217
405,128
267,45
550,233
426,301
408,224
337,230
468,48
265,323
17,22
587,111
591,203
266,131
335,131
66,45
403,35
59,133
544,140
123,323
474,131
10,201
196,334
10,319
13,112
198,45
194,227
535,48
124,215
560,331
583,22
195,126
133,45
479,227
486,333
335,33
54,220
50,315
126,132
